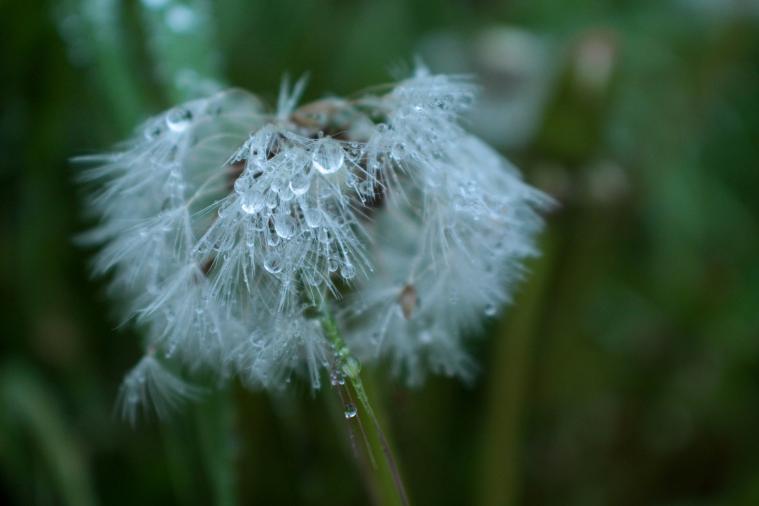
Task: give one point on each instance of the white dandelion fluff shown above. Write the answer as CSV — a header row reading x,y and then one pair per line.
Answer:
x,y
228,228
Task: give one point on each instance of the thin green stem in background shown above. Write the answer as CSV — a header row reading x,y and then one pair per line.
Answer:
x,y
501,457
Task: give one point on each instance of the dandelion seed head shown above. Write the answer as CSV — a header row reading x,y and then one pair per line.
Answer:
x,y
222,222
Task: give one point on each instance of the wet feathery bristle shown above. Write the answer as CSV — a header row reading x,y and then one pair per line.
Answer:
x,y
224,222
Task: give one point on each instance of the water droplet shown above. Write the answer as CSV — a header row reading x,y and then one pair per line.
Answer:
x,y
348,271
350,411
284,225
286,194
273,240
323,236
252,202
272,263
313,217
398,151
271,199
333,264
300,184
153,131
312,278
491,310
328,156
277,184
178,119
241,185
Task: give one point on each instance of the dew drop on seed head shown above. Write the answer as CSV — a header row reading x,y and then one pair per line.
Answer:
x,y
284,226
178,119
312,278
323,236
153,131
271,199
398,151
252,202
348,271
300,184
273,264
273,240
328,156
241,185
286,194
350,411
312,217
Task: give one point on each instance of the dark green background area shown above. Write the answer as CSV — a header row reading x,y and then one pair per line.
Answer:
x,y
626,372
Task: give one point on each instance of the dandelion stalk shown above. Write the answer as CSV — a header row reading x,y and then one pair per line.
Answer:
x,y
350,367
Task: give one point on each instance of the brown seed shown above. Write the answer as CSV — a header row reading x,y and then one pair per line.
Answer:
x,y
407,300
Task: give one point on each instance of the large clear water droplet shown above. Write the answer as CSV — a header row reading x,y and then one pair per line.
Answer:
x,y
328,156
313,217
300,184
284,226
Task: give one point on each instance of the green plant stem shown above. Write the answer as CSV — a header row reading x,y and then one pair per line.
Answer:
x,y
350,368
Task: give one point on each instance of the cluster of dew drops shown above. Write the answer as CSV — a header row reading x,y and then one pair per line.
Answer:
x,y
288,189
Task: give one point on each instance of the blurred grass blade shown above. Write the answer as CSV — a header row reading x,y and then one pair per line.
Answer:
x,y
214,421
181,41
30,409
500,455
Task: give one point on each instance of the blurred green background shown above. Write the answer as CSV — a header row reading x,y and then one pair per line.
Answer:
x,y
627,372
